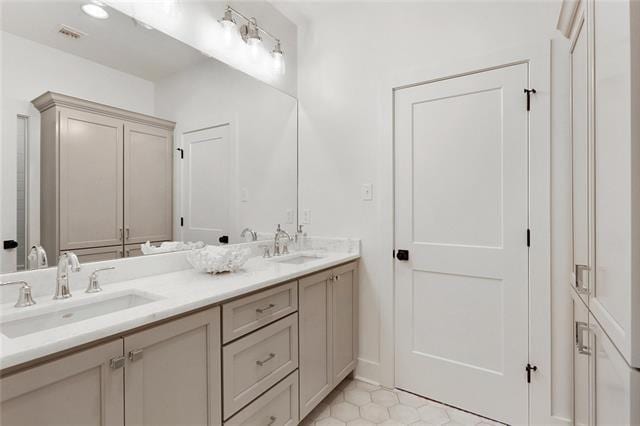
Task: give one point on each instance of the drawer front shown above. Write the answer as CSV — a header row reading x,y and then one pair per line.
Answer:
x,y
277,407
256,362
244,315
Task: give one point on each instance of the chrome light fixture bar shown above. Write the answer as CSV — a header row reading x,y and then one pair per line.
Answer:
x,y
250,33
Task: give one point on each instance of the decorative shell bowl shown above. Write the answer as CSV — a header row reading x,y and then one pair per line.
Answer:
x,y
216,259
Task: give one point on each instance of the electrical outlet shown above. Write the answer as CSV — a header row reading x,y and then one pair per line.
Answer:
x,y
244,195
306,217
289,216
367,191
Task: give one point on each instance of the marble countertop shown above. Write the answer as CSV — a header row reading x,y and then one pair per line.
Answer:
x,y
175,293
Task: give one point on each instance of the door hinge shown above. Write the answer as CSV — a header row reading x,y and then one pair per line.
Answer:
x,y
528,237
181,153
182,221
529,369
528,92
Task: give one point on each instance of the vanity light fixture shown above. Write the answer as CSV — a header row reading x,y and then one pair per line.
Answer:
x,y
95,10
250,33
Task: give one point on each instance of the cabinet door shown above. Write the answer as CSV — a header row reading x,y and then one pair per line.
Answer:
x,y
615,386
173,372
91,182
314,310
81,389
148,162
344,319
581,355
97,254
581,195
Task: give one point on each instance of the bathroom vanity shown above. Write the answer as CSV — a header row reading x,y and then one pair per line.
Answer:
x,y
262,346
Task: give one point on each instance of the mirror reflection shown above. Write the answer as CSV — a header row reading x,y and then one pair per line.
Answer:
x,y
119,141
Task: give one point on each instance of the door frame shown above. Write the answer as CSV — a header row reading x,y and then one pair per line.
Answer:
x,y
538,58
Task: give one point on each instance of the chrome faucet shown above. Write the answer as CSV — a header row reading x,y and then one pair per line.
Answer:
x,y
254,234
24,297
37,258
66,260
276,242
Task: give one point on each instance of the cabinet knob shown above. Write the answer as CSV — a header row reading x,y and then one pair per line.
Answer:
x,y
117,362
272,420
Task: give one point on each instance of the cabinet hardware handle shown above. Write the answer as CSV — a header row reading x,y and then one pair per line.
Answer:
x,y
117,362
265,308
121,234
332,277
581,327
272,420
135,355
127,234
336,277
267,359
580,288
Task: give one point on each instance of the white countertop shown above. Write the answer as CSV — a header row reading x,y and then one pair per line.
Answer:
x,y
178,292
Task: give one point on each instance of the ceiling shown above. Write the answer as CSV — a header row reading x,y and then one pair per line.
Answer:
x,y
118,42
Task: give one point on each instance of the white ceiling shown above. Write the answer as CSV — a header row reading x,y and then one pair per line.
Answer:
x,y
117,42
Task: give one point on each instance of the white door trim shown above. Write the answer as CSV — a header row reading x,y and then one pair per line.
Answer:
x,y
539,60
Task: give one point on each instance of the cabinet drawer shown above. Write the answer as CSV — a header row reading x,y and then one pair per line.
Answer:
x,y
277,407
256,362
252,312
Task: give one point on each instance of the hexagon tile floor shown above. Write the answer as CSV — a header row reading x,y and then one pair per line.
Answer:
x,y
356,403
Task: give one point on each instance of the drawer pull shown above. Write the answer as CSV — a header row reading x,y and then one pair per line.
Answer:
x,y
267,359
117,362
135,355
272,420
265,308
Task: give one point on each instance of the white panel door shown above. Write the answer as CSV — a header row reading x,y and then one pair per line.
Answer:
x,y
206,184
461,211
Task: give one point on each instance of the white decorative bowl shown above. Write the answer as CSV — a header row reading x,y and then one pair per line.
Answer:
x,y
215,259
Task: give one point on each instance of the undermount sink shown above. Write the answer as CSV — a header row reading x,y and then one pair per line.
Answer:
x,y
297,259
80,312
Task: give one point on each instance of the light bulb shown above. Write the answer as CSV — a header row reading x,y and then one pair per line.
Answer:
x,y
278,59
254,47
228,26
95,11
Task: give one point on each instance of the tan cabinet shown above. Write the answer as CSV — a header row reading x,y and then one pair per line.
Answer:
x,y
327,305
147,183
173,372
98,254
106,175
80,389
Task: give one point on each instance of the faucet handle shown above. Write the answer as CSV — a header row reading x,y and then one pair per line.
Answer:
x,y
24,297
94,285
266,251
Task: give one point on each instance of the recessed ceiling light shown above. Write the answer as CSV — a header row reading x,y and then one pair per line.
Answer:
x,y
95,11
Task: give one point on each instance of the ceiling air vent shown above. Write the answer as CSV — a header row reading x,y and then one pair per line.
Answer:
x,y
71,32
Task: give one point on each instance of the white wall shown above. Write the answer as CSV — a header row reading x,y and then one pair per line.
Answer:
x,y
30,69
196,24
263,136
346,54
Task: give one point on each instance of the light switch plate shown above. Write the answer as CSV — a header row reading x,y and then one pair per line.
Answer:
x,y
244,195
306,216
367,191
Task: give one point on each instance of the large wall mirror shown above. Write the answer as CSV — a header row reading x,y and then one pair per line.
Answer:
x,y
115,135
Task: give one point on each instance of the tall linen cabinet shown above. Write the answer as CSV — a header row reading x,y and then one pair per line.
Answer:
x,y
605,136
105,178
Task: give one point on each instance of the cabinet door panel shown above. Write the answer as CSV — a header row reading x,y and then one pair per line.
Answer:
x,y
580,361
90,152
344,321
314,310
173,372
615,386
80,389
98,254
148,183
581,189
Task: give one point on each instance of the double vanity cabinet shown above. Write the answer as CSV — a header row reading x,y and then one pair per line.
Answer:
x,y
604,52
267,357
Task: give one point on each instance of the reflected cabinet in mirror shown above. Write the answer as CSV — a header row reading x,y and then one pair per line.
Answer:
x,y
119,141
